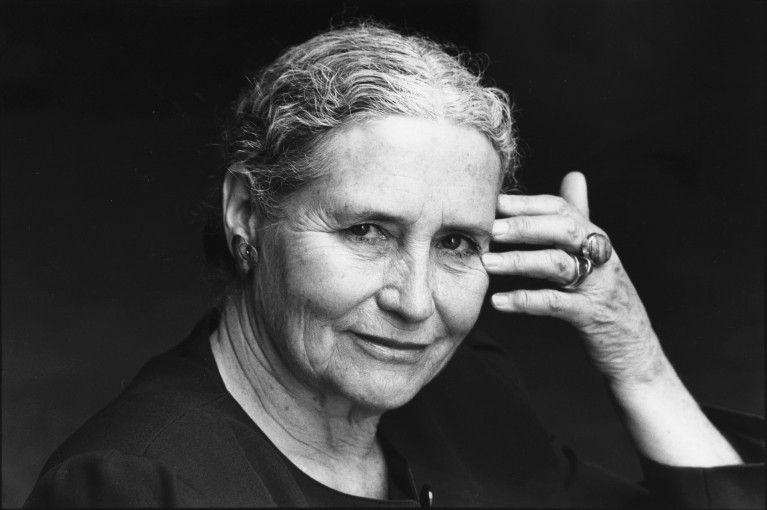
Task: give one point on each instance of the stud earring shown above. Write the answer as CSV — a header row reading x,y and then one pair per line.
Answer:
x,y
248,254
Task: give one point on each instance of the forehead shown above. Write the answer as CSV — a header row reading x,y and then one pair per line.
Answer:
x,y
412,166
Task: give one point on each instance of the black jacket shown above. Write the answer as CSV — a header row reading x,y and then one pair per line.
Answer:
x,y
175,437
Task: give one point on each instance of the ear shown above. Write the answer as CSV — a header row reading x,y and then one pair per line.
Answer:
x,y
237,213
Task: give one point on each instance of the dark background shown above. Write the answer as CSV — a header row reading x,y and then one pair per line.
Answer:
x,y
110,115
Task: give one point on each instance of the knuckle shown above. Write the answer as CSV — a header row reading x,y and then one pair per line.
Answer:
x,y
523,226
522,200
515,259
554,302
573,231
561,206
522,299
561,262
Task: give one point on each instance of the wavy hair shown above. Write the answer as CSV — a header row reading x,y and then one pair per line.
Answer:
x,y
274,137
348,75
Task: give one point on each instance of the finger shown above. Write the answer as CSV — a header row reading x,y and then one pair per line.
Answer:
x,y
564,232
549,302
553,265
533,205
574,190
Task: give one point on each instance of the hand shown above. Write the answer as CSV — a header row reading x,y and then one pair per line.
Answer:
x,y
661,416
605,308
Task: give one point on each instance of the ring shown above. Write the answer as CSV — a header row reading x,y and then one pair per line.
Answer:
x,y
597,248
583,268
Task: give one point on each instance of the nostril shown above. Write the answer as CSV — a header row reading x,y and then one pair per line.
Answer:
x,y
388,299
408,305
407,287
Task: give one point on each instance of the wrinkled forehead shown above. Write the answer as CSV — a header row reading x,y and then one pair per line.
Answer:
x,y
408,165
398,138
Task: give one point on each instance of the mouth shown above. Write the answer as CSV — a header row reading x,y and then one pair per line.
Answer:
x,y
391,343
389,349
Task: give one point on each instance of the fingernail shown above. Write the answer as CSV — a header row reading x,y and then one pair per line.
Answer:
x,y
499,300
492,259
500,227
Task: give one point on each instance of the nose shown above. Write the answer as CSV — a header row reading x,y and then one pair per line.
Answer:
x,y
407,291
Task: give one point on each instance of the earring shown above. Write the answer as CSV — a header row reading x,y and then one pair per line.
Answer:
x,y
248,254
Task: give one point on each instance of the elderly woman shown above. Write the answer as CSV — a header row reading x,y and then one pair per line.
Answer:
x,y
364,178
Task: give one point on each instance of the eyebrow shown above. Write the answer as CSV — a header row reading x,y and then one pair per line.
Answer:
x,y
390,217
469,229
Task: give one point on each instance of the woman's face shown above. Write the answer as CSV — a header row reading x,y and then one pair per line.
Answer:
x,y
373,279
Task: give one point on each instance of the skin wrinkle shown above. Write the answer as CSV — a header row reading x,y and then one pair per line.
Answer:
x,y
322,366
295,432
323,296
268,365
315,388
239,351
264,361
402,265
319,90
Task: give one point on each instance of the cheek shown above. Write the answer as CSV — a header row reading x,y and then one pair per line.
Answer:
x,y
310,289
327,281
459,299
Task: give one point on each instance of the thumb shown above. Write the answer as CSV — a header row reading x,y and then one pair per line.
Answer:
x,y
573,189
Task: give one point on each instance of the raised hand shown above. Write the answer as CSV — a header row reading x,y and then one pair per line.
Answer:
x,y
604,306
600,301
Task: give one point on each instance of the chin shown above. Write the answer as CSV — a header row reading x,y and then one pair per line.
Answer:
x,y
381,401
383,389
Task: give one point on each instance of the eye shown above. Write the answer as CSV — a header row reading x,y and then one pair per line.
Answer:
x,y
366,232
459,245
360,230
451,242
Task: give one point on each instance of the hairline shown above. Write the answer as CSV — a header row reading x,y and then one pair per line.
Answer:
x,y
318,155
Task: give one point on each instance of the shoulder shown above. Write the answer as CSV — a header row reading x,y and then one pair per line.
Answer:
x,y
172,390
164,399
143,448
110,478
129,454
174,434
167,450
184,456
161,449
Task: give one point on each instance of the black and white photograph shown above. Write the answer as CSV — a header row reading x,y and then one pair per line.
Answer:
x,y
457,253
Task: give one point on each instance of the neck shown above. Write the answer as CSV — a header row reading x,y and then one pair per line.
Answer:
x,y
327,437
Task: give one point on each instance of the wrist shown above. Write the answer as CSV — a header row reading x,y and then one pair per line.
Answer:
x,y
666,424
657,375
638,369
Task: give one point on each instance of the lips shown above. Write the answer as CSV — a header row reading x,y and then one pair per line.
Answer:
x,y
389,350
391,343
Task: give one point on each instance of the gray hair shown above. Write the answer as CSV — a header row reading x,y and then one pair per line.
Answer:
x,y
275,137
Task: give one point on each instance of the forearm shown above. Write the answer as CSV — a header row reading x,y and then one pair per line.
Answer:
x,y
665,421
668,426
